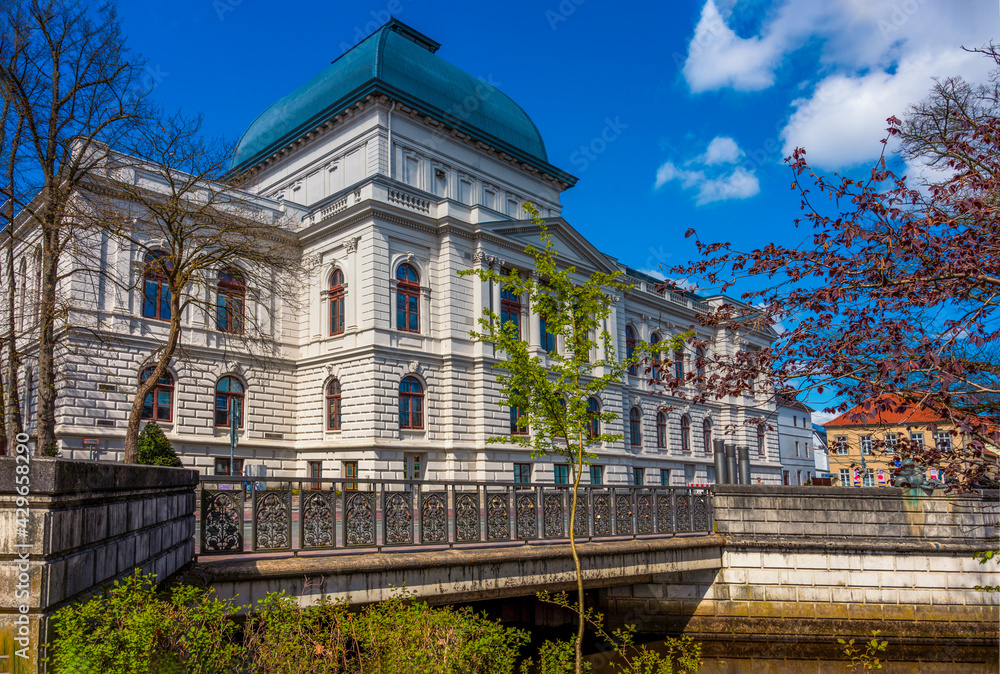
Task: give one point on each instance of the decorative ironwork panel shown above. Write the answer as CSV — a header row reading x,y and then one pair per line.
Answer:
x,y
497,517
222,521
273,520
581,527
467,517
623,513
664,514
359,518
319,524
644,512
526,505
683,512
602,515
702,521
397,510
553,515
434,517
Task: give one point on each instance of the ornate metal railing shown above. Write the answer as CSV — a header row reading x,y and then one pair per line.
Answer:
x,y
244,515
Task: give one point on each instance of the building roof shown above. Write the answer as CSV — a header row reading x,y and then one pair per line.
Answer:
x,y
819,430
400,62
898,412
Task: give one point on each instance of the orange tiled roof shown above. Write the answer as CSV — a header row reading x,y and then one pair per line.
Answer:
x,y
894,415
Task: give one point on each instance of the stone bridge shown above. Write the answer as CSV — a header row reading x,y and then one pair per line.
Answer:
x,y
770,567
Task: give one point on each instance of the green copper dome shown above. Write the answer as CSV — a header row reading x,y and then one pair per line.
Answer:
x,y
399,62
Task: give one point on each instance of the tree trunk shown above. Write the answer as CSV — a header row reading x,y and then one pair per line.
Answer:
x,y
12,363
145,388
46,401
581,617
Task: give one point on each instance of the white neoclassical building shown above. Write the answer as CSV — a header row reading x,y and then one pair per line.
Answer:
x,y
398,170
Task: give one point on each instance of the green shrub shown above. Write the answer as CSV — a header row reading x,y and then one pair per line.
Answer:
x,y
130,629
154,448
395,636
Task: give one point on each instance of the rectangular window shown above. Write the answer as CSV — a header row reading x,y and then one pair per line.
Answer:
x,y
890,442
597,475
222,466
784,477
316,472
350,471
845,477
522,473
548,339
840,442
638,476
560,473
796,448
917,438
866,444
664,477
870,477
942,441
510,309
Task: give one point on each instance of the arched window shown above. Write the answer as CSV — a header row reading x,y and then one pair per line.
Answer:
x,y
407,299
699,362
228,402
654,339
630,347
333,405
760,440
706,435
337,302
232,299
678,365
155,288
661,430
510,309
685,433
159,402
593,411
635,427
411,403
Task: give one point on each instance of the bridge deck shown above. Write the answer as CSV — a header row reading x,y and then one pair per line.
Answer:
x,y
446,576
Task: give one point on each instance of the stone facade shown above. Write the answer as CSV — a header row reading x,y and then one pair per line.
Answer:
x,y
375,187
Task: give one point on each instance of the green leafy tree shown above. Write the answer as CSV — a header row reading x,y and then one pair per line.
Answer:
x,y
551,393
155,449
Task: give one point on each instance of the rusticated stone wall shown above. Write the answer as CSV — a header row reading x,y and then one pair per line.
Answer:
x,y
82,524
803,566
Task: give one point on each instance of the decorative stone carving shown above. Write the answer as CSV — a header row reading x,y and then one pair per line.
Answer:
x,y
352,244
413,366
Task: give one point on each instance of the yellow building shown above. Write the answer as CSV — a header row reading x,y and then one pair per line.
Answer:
x,y
861,448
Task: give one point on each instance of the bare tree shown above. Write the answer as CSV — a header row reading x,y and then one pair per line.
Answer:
x,y
79,91
216,252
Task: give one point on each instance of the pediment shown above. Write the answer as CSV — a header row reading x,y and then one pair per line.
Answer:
x,y
571,247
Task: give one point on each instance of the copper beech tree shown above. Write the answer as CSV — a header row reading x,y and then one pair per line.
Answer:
x,y
894,291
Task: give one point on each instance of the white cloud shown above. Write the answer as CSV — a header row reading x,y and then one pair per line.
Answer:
x,y
841,123
726,183
876,58
722,150
819,417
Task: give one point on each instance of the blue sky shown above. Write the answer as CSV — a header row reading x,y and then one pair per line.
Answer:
x,y
701,100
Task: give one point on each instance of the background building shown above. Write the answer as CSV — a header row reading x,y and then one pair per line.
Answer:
x,y
794,429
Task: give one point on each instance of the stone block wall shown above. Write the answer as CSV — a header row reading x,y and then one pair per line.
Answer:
x,y
803,566
747,512
88,523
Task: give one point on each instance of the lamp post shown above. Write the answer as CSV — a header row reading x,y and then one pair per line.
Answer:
x,y
234,424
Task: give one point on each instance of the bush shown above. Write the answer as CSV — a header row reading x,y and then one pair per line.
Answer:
x,y
130,629
155,449
396,636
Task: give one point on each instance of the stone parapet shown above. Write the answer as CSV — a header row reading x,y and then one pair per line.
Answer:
x,y
746,512
80,525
